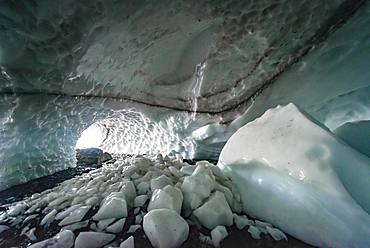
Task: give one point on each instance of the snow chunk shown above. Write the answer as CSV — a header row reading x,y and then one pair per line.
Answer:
x,y
117,226
276,233
215,212
75,216
113,206
160,182
165,228
218,234
48,218
63,239
140,200
142,188
76,226
133,228
93,239
169,197
255,232
241,221
128,243
128,188
3,228
197,187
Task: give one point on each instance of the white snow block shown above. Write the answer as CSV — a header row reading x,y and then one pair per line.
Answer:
x,y
197,187
75,216
218,234
315,182
169,197
113,206
165,228
214,212
63,239
128,243
93,239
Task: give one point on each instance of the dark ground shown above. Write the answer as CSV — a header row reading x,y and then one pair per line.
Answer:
x,y
10,238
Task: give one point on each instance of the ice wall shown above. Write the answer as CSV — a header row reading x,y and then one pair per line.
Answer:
x,y
168,75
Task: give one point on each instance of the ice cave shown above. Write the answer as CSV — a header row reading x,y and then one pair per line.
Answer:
x,y
182,123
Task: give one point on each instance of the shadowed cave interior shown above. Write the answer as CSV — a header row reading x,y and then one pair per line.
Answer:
x,y
184,123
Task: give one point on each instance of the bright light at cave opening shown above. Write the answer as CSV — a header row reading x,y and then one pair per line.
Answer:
x,y
92,136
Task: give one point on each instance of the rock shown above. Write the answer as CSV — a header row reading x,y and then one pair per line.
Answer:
x,y
105,157
215,211
169,197
165,228
93,239
89,156
64,239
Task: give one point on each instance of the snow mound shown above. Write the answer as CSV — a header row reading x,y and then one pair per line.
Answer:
x,y
295,174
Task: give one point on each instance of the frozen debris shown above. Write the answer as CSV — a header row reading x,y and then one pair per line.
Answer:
x,y
218,234
140,200
75,216
197,187
76,226
31,234
255,232
215,211
169,197
205,239
133,228
160,182
93,239
275,233
128,243
48,218
17,209
241,221
113,206
63,239
104,223
117,226
165,228
142,188
3,228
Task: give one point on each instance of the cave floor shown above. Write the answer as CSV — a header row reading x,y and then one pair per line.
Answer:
x,y
12,237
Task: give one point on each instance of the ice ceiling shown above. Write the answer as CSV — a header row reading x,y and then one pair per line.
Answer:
x,y
164,76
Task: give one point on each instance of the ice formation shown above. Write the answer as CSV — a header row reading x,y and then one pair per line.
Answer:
x,y
296,174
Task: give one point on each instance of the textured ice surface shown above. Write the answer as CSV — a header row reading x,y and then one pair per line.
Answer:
x,y
113,206
165,228
65,66
356,134
315,182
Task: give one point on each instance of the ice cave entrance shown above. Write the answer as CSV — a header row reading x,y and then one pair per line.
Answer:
x,y
92,136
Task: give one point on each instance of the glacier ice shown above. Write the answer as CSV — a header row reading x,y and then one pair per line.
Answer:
x,y
63,239
356,134
169,197
113,206
128,243
295,174
218,234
